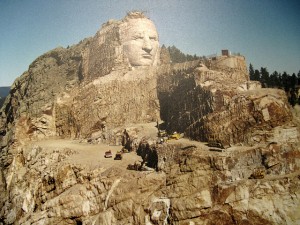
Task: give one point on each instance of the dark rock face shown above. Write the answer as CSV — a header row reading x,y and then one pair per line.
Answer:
x,y
182,101
208,105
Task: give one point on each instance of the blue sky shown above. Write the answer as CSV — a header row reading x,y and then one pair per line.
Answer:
x,y
266,32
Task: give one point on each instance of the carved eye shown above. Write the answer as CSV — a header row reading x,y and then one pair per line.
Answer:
x,y
153,38
137,37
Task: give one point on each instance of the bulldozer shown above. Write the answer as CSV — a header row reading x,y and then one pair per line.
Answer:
x,y
175,136
214,141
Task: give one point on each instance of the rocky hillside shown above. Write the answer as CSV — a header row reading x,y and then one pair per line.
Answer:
x,y
91,93
48,184
225,107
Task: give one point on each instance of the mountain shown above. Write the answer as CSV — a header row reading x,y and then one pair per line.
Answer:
x,y
236,160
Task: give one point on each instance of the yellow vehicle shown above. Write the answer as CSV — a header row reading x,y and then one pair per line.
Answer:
x,y
175,136
162,133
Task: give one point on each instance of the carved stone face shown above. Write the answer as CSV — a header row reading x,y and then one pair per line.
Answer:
x,y
140,42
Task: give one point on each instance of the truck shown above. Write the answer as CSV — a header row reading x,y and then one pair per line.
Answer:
x,y
108,154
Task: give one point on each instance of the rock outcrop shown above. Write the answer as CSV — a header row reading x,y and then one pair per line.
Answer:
x,y
194,186
225,107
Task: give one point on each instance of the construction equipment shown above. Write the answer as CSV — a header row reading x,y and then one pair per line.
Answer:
x,y
118,156
175,136
257,174
136,166
108,154
162,133
215,144
124,150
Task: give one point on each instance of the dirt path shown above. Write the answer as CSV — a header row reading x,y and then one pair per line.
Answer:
x,y
90,155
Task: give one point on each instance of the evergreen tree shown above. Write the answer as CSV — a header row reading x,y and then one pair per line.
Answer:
x,y
280,81
178,57
251,72
264,76
164,55
285,83
256,75
293,81
274,80
293,97
189,57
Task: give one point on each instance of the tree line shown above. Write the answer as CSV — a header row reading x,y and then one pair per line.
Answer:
x,y
176,56
289,83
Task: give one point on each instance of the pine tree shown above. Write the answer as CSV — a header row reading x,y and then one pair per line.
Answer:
x,y
285,83
178,57
274,80
264,76
256,75
293,81
293,97
164,55
251,72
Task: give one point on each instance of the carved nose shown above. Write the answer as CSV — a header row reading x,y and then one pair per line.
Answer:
x,y
147,45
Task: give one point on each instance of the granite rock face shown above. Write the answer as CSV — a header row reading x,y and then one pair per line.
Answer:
x,y
113,101
194,186
96,89
30,107
217,105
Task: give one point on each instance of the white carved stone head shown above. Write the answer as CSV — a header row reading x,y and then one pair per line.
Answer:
x,y
119,45
139,40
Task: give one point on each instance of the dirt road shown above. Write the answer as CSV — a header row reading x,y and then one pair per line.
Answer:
x,y
90,155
